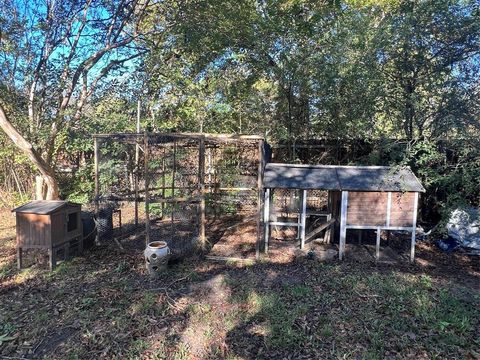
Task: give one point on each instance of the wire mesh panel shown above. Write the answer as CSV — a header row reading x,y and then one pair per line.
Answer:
x,y
231,176
178,179
174,190
119,181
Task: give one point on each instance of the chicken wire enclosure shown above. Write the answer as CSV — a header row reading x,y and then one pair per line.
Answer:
x,y
118,186
286,210
231,177
179,180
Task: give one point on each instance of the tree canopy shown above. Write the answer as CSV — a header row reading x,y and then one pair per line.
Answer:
x,y
387,72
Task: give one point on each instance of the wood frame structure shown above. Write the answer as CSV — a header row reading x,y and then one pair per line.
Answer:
x,y
55,226
145,142
370,189
387,226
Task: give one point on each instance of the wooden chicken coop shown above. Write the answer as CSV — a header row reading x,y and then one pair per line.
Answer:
x,y
359,197
54,226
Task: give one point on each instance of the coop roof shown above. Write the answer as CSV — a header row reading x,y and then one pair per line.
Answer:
x,y
42,207
346,178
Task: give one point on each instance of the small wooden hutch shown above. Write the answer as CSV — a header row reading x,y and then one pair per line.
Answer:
x,y
359,197
52,225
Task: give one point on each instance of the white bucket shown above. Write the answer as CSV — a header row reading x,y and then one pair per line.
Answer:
x,y
156,254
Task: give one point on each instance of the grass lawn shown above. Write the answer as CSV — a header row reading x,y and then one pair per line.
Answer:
x,y
103,305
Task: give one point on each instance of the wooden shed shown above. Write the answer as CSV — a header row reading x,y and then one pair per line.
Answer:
x,y
359,197
55,226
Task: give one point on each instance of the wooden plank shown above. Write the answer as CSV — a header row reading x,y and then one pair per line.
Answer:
x,y
201,181
227,258
266,217
97,179
261,168
343,224
136,171
303,219
146,176
281,223
412,246
319,229
377,246
372,227
389,207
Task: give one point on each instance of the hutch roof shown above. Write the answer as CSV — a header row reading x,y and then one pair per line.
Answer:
x,y
341,178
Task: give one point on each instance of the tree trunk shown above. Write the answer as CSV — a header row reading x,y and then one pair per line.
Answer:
x,y
47,172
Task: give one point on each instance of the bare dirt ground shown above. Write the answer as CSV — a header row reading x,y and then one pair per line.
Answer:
x,y
287,305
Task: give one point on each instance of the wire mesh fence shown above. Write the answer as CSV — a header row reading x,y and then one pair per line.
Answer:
x,y
170,184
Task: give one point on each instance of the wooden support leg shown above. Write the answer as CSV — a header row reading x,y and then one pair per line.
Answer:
x,y
52,259
19,258
359,237
328,234
266,217
343,225
80,245
66,250
414,228
412,247
303,219
377,247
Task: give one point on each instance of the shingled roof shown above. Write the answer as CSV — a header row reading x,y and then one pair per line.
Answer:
x,y
341,178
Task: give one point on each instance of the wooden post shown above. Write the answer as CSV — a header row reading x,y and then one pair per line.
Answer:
x,y
163,181
137,158
328,231
261,166
97,185
303,217
19,258
174,170
201,182
97,180
414,228
343,225
377,246
266,217
147,184
359,236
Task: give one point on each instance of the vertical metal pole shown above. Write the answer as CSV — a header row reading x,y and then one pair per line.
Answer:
x,y
266,217
147,184
303,222
201,183
343,225
414,228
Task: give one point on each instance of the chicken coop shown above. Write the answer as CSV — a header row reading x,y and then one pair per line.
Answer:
x,y
170,186
357,198
54,226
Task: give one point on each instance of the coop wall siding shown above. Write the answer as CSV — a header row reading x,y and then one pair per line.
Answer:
x,y
32,229
58,228
370,209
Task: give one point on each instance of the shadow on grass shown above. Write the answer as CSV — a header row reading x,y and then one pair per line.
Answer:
x,y
103,305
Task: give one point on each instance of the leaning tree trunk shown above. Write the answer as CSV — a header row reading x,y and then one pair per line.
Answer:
x,y
46,171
